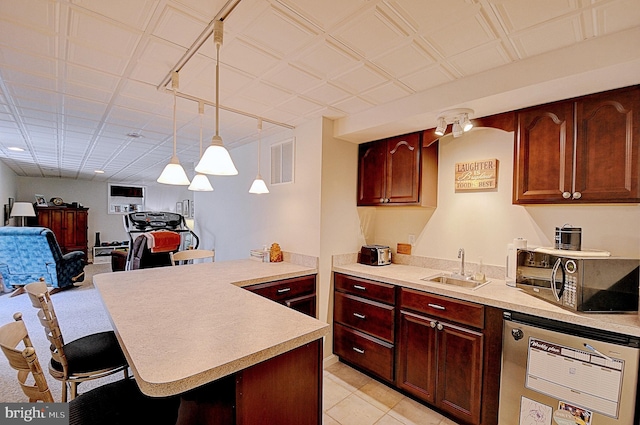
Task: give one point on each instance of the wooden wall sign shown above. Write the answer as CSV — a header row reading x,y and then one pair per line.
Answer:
x,y
476,175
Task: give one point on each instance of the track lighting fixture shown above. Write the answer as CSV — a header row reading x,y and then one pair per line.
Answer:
x,y
459,118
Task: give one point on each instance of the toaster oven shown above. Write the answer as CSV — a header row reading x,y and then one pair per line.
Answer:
x,y
375,255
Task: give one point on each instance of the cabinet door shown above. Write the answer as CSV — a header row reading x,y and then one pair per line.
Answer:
x,y
371,173
459,380
305,304
403,169
607,143
543,153
416,363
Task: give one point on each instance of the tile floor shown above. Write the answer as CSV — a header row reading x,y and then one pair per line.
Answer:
x,y
352,398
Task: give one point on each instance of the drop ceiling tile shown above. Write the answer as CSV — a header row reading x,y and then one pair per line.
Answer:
x,y
245,56
407,58
490,55
91,77
102,34
550,36
29,79
439,13
178,27
617,15
267,93
385,93
132,13
353,105
38,14
360,79
88,92
371,33
520,15
85,55
427,78
158,57
327,94
21,38
19,60
83,107
326,59
467,32
300,106
292,32
291,78
326,13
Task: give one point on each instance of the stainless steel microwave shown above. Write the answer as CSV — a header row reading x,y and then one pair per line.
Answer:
x,y
584,284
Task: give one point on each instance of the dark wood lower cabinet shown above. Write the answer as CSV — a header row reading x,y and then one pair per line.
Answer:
x,y
443,351
298,293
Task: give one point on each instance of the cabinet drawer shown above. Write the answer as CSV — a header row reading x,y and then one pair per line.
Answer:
x,y
368,316
376,291
364,351
443,307
284,289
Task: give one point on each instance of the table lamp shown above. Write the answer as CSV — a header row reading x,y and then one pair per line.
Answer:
x,y
22,210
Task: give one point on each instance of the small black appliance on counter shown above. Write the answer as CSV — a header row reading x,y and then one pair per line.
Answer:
x,y
375,255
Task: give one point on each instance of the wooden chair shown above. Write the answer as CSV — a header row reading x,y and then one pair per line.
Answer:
x,y
90,357
116,403
187,256
24,361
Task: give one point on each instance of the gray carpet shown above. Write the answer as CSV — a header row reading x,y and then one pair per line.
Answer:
x,y
80,312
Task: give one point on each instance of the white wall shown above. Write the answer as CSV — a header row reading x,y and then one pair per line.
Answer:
x,y
484,222
233,221
8,189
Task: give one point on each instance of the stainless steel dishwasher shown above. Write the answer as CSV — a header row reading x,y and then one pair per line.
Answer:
x,y
559,373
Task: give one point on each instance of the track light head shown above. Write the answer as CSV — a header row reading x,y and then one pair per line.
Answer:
x,y
458,117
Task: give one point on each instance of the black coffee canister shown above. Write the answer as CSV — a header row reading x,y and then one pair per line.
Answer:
x,y
569,238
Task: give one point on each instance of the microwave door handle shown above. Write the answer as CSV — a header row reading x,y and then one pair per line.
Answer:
x,y
554,289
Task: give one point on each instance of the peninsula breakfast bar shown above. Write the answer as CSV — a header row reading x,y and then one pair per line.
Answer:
x,y
185,327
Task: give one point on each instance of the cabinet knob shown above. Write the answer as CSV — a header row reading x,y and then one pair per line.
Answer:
x,y
433,324
382,200
440,327
577,195
566,195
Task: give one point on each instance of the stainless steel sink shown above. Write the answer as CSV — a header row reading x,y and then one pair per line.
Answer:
x,y
457,280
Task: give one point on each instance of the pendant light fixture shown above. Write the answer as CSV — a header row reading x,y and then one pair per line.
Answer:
x,y
173,173
216,159
259,186
200,182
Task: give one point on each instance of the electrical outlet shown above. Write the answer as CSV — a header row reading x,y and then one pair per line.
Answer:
x,y
412,240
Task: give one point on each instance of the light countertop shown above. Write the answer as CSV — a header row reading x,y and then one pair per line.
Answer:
x,y
184,326
496,294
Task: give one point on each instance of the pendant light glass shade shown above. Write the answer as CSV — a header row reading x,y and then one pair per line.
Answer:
x,y
173,173
216,159
200,182
259,186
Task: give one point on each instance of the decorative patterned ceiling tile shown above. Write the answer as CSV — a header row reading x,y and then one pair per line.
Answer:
x,y
291,78
132,13
353,105
616,15
102,34
326,13
38,14
385,93
326,59
26,39
427,78
248,57
407,58
360,79
266,93
177,27
439,13
300,106
82,107
86,55
90,77
327,94
88,92
490,55
157,59
468,32
550,36
28,79
520,15
24,62
292,33
371,33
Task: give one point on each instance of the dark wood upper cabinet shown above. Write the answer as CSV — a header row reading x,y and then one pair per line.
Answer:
x,y
390,171
583,150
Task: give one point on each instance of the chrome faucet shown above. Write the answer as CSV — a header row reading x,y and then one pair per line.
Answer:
x,y
461,257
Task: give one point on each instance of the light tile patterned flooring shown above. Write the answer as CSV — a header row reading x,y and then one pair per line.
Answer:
x,y
352,398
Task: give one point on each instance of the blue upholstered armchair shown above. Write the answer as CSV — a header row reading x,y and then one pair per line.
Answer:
x,y
30,253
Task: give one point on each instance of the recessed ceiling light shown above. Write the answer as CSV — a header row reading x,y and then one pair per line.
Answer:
x,y
15,149
98,171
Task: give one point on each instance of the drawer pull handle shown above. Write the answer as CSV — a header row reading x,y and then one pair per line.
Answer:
x,y
358,350
436,306
360,316
362,288
283,290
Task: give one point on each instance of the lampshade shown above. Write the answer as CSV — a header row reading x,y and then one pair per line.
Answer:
x,y
200,183
216,159
22,209
259,186
173,173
